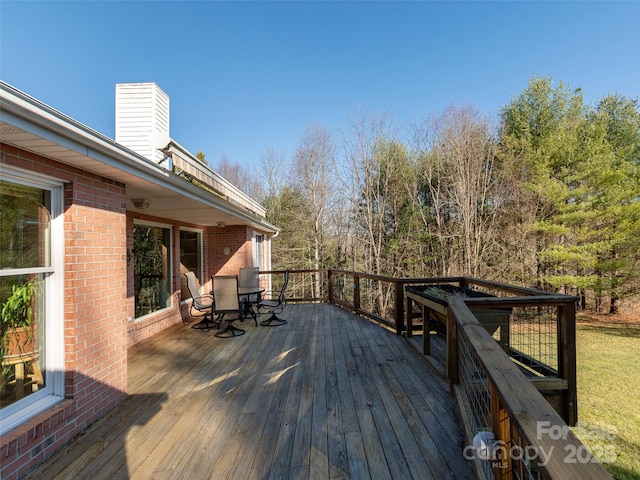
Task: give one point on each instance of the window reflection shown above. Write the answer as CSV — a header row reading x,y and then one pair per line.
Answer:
x,y
24,244
24,226
152,279
190,258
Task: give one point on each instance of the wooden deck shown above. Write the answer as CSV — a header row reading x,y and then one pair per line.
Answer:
x,y
329,395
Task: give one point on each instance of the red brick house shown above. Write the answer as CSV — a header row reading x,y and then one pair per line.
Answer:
x,y
101,231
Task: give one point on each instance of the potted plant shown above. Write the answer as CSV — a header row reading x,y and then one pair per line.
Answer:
x,y
17,326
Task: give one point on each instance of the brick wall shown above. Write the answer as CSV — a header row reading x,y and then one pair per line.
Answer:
x,y
95,291
99,319
95,313
237,238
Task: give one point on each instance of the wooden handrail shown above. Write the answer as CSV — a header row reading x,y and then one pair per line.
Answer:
x,y
505,287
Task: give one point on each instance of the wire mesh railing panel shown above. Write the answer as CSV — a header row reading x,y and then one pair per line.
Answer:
x,y
497,457
533,339
522,459
473,392
529,335
512,457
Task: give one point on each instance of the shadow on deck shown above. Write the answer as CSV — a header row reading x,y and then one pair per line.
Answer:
x,y
329,395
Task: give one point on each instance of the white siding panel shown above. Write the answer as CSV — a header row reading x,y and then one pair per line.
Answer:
x,y
141,108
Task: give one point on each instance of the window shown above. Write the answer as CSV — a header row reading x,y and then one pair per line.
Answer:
x,y
190,256
257,251
31,295
152,268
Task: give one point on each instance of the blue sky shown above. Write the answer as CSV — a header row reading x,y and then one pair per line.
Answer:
x,y
244,77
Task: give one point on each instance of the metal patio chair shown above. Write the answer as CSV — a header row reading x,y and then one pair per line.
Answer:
x,y
274,302
200,303
226,301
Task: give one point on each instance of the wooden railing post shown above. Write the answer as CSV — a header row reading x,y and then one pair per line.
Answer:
x,y
452,349
399,307
409,309
501,426
330,285
426,331
356,292
567,359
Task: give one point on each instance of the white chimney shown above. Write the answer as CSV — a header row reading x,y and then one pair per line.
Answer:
x,y
142,118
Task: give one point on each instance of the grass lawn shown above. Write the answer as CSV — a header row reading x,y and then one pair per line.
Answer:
x,y
608,358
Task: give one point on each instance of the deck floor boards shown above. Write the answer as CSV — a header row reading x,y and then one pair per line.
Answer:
x,y
328,395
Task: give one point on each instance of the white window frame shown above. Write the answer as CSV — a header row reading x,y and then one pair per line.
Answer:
x,y
169,267
53,391
258,250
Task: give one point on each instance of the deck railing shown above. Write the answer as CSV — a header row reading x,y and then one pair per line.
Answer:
x,y
497,377
530,439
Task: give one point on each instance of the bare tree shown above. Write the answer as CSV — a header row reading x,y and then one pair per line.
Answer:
x,y
373,152
313,175
241,177
275,171
458,151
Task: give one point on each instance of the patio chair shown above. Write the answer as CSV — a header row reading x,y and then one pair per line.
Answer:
x,y
250,278
200,303
226,301
274,302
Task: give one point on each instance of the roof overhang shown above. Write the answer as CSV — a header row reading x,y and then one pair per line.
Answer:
x,y
28,124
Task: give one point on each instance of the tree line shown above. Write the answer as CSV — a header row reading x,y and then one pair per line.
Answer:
x,y
548,196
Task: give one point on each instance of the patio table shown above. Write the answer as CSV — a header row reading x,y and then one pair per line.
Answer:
x,y
245,293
